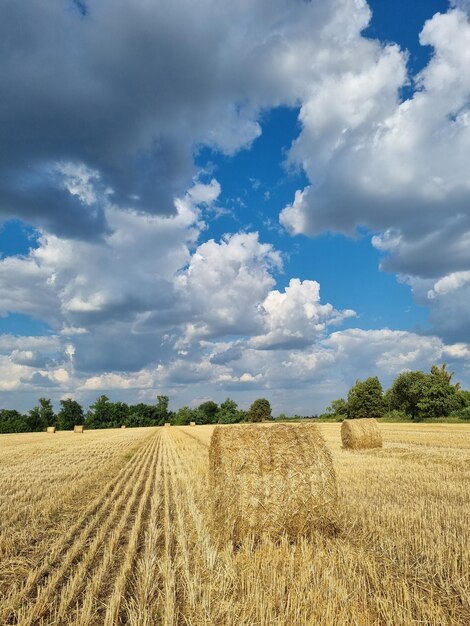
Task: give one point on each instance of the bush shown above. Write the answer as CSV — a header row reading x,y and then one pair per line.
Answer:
x,y
463,414
395,414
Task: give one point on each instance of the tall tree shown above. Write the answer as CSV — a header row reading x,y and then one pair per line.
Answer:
x,y
70,414
12,421
406,392
100,414
208,412
259,411
365,399
47,412
423,395
161,412
229,413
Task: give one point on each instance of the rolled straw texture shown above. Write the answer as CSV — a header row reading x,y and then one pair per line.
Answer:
x,y
357,434
270,481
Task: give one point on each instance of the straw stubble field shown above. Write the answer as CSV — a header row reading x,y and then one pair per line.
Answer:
x,y
111,527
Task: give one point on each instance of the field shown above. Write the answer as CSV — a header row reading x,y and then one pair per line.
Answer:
x,y
111,527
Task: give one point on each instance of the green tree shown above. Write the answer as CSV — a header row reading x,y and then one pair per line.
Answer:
x,y
406,392
100,414
422,395
365,399
259,411
46,410
119,414
12,421
41,416
338,407
464,397
439,397
229,413
71,413
208,412
185,415
161,413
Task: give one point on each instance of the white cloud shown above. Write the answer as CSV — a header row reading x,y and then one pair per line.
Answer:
x,y
400,168
296,318
130,135
377,162
109,381
449,284
135,300
225,283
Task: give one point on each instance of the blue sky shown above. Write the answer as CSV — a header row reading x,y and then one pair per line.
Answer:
x,y
267,199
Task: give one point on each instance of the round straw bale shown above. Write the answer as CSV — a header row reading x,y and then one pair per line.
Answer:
x,y
357,434
123,426
51,429
167,424
270,481
192,423
78,428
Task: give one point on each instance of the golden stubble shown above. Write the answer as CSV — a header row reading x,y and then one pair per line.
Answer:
x,y
113,527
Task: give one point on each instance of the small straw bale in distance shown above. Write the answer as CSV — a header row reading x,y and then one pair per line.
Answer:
x,y
270,481
167,424
50,429
358,434
78,428
192,423
123,426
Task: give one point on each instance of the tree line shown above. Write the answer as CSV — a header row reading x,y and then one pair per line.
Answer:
x,y
413,394
106,414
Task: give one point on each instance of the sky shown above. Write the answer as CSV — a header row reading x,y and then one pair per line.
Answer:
x,y
267,198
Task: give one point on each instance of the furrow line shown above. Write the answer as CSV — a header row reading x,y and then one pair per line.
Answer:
x,y
195,554
103,514
141,607
167,565
78,533
115,613
96,566
90,602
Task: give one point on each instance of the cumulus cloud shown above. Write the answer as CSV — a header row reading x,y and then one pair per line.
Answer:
x,y
387,164
117,98
447,299
225,283
295,318
396,167
106,108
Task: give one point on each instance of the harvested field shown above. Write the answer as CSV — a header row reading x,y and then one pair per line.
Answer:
x,y
112,528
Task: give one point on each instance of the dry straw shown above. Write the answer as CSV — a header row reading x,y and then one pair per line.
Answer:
x,y
51,429
270,481
78,428
360,434
123,426
167,424
192,423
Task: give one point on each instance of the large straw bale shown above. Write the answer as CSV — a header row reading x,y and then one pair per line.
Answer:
x,y
357,434
192,423
78,428
270,481
50,429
